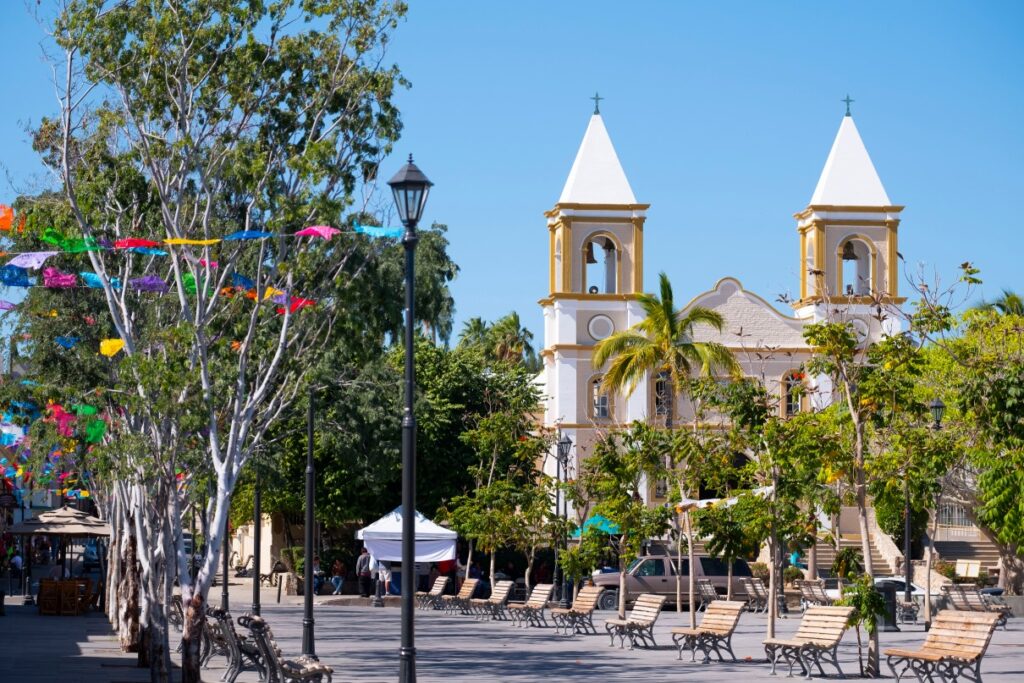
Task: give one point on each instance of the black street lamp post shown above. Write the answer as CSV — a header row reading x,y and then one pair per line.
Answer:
x,y
308,645
410,188
257,523
562,510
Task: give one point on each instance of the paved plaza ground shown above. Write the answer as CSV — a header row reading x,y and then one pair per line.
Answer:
x,y
361,643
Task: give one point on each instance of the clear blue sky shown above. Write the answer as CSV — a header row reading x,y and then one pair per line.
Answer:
x,y
722,114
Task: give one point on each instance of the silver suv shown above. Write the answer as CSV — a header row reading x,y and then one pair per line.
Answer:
x,y
657,574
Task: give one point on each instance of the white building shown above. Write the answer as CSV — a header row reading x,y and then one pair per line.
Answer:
x,y
846,239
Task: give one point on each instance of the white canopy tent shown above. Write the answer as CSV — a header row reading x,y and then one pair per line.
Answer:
x,y
383,539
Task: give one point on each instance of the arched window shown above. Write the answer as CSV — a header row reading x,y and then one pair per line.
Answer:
x,y
793,393
600,400
855,265
601,266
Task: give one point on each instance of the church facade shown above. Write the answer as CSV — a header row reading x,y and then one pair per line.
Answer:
x,y
846,240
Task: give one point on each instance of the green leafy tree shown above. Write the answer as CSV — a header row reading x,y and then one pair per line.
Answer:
x,y
727,534
663,342
868,605
612,476
160,137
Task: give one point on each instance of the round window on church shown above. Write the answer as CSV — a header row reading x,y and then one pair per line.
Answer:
x,y
600,326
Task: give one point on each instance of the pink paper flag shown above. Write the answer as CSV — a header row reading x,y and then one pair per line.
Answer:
x,y
325,231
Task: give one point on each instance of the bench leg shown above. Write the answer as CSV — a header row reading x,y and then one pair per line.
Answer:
x,y
683,642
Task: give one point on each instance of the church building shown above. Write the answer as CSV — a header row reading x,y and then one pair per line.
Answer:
x,y
846,239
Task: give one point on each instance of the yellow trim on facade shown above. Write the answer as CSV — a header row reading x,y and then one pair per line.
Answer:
x,y
812,208
803,264
576,296
638,254
893,285
596,207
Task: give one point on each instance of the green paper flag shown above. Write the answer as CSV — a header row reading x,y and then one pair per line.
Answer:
x,y
95,430
82,409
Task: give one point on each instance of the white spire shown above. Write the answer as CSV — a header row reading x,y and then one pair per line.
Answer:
x,y
849,178
596,176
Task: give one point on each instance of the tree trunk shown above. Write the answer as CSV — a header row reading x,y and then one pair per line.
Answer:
x,y
691,574
679,566
529,570
812,559
469,562
192,638
728,574
928,563
128,594
490,576
622,578
865,540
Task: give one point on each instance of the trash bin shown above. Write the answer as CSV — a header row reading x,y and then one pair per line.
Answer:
x,y
888,592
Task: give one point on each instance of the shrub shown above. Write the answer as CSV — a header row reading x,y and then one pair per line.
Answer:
x,y
847,561
759,570
791,574
947,569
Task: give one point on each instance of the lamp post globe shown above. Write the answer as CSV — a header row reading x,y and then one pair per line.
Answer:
x,y
938,410
410,188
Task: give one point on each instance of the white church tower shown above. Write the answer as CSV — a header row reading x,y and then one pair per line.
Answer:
x,y
596,234
849,241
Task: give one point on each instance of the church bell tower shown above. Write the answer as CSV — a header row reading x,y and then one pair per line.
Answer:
x,y
595,233
849,239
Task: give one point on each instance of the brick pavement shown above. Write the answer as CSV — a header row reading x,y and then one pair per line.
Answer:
x,y
361,643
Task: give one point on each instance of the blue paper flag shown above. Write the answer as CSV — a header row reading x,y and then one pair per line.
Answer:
x,y
376,231
242,281
13,276
248,235
149,251
96,282
67,342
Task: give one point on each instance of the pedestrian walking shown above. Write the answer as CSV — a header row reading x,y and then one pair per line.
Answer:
x,y
363,572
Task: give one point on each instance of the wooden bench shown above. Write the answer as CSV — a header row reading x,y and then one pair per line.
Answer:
x,y
531,612
813,593
816,639
279,669
494,606
969,599
757,594
460,602
638,624
714,633
580,616
707,593
431,599
953,648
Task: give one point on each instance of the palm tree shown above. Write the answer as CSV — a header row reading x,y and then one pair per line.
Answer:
x,y
510,341
1010,303
475,332
662,344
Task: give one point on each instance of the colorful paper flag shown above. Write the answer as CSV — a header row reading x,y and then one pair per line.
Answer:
x,y
377,231
6,217
111,347
135,242
186,240
31,259
324,231
248,235
67,342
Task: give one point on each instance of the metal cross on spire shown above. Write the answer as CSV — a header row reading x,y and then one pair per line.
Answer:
x,y
848,101
597,102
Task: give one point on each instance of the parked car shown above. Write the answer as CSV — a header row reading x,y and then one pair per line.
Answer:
x,y
657,574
